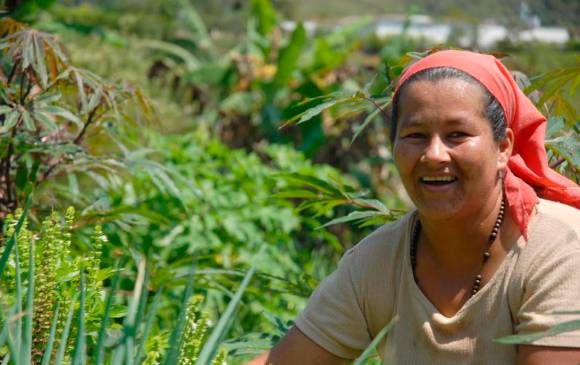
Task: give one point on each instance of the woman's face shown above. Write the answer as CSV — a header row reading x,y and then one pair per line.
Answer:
x,y
444,148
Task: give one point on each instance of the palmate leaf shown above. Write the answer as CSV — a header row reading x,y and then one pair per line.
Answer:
x,y
63,113
567,147
45,121
9,122
28,122
36,51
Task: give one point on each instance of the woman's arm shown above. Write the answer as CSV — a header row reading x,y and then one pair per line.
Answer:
x,y
296,348
540,355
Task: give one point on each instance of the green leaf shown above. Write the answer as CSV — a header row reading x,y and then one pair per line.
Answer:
x,y
567,147
531,337
26,345
353,216
191,62
316,110
46,121
65,332
39,64
375,342
61,112
289,56
28,122
9,122
5,109
172,354
21,176
373,203
202,37
312,181
555,126
358,129
213,342
51,337
48,98
148,323
98,352
551,90
12,240
78,357
265,15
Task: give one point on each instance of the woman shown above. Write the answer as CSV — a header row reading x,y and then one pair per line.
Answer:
x,y
482,256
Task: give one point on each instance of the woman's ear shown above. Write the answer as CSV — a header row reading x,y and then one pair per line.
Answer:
x,y
505,149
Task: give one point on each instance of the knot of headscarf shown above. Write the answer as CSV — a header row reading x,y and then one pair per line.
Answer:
x,y
528,174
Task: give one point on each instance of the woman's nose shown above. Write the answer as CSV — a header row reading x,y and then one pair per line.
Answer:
x,y
436,151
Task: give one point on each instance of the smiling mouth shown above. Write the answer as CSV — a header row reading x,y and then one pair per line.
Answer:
x,y
438,180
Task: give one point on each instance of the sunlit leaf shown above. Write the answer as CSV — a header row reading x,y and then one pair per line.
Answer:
x,y
289,56
9,122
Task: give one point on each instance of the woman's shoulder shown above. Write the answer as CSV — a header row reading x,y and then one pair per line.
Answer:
x,y
553,232
557,220
385,242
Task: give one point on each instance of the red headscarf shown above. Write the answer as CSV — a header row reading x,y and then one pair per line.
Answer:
x,y
528,174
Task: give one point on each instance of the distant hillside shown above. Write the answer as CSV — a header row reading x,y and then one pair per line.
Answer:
x,y
551,12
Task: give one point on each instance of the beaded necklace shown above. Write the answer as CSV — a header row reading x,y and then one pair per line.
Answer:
x,y
486,255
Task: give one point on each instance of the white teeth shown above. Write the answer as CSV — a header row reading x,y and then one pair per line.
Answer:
x,y
438,178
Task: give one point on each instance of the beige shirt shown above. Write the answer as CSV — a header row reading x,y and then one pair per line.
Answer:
x,y
374,283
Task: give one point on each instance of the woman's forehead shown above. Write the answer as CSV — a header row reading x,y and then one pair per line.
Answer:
x,y
451,93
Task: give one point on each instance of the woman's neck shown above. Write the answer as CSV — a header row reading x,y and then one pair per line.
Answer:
x,y
458,243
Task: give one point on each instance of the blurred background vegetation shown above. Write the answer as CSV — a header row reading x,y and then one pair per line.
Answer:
x,y
220,157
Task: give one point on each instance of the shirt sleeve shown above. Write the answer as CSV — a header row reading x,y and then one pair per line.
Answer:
x,y
333,317
552,285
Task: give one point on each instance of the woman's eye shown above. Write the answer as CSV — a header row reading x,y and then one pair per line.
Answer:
x,y
414,135
456,135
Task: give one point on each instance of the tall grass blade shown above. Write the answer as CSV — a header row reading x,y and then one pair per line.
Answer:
x,y
211,347
65,333
98,356
143,299
27,323
79,347
18,320
373,345
130,323
5,336
172,355
148,323
51,337
12,240
6,360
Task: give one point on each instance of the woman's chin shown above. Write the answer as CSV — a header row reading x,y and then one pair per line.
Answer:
x,y
439,210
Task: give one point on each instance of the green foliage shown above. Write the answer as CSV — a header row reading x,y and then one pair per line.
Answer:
x,y
50,111
194,230
53,277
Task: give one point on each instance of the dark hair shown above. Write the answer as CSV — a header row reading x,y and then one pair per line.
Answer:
x,y
492,110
